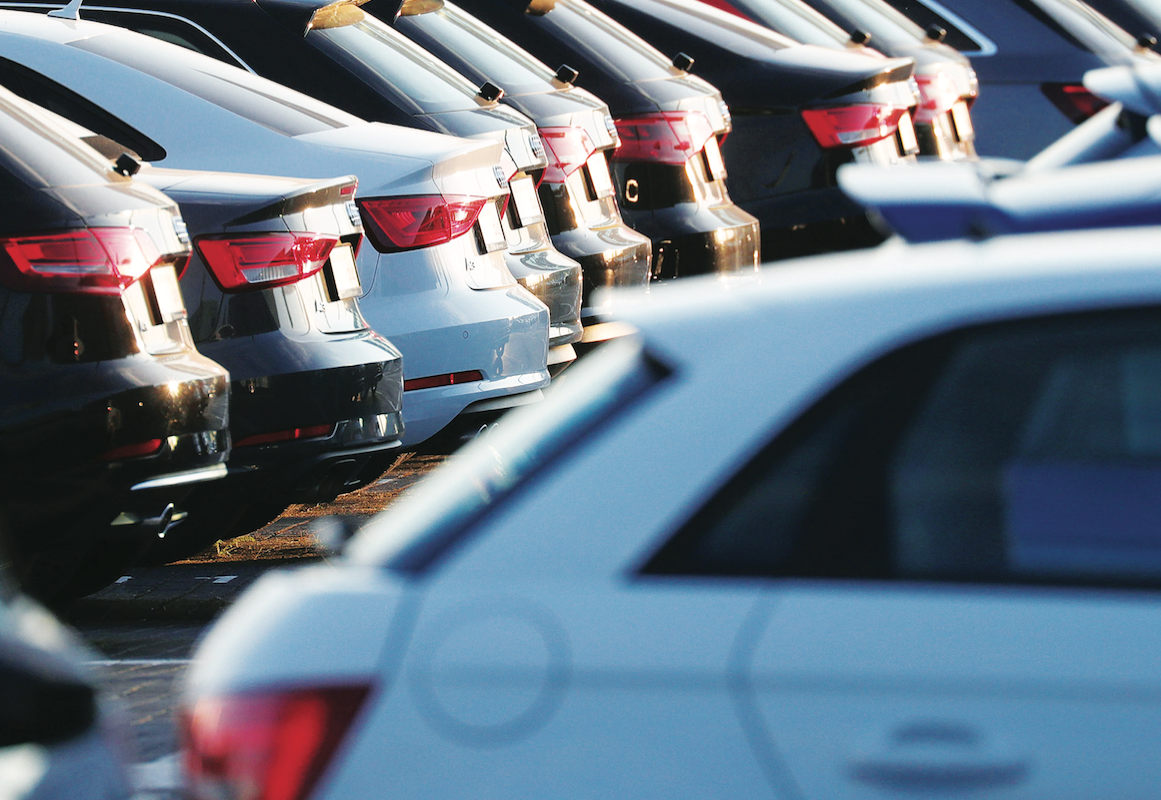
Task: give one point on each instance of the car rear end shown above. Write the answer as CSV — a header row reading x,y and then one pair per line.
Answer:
x,y
273,292
110,415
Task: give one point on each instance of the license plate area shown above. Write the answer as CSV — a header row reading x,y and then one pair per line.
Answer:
x,y
166,294
525,201
342,279
489,232
713,159
962,119
600,181
908,142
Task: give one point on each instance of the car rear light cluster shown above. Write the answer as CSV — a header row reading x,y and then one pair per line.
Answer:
x,y
853,126
266,746
447,379
394,224
667,137
1076,102
937,94
136,450
88,260
568,149
241,262
289,435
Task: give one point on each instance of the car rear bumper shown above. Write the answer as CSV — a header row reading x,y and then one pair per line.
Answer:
x,y
697,239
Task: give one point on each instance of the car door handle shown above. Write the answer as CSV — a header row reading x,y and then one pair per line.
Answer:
x,y
939,756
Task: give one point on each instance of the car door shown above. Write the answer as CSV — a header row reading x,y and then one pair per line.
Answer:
x,y
963,548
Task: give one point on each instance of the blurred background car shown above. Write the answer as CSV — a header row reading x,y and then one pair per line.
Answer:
x,y
109,416
798,112
1030,58
338,54
434,278
680,202
59,739
937,501
947,83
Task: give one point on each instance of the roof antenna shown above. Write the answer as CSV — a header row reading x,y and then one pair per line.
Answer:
x,y
71,11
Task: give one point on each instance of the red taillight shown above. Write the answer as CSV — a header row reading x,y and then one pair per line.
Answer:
x,y
240,262
289,435
724,6
405,223
937,94
568,149
269,745
852,126
92,260
447,379
1076,102
669,137
136,450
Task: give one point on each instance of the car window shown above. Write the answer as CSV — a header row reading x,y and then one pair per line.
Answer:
x,y
41,156
415,76
261,101
166,28
37,88
1022,452
503,62
797,20
629,57
583,403
959,35
887,25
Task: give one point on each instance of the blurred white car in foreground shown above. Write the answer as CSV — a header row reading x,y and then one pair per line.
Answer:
x,y
880,524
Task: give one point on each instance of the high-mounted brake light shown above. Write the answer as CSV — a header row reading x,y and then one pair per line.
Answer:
x,y
91,261
668,137
937,94
853,126
1076,102
405,223
567,148
241,262
266,745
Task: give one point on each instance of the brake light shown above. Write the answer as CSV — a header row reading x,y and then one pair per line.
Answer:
x,y
289,435
852,126
240,262
448,379
937,94
669,137
567,149
266,745
1076,102
136,450
88,260
406,223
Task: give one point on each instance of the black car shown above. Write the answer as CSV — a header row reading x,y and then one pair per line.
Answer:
x,y
1030,56
798,111
947,83
359,64
272,292
680,200
108,414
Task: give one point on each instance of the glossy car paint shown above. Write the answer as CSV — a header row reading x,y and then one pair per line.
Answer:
x,y
779,171
945,70
301,357
693,224
381,77
420,299
109,415
1018,47
558,665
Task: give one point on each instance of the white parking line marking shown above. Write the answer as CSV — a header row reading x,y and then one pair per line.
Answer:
x,y
216,578
124,579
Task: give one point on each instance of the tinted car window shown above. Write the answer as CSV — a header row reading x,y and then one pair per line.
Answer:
x,y
924,16
505,64
412,73
1025,452
39,157
796,20
631,58
167,29
888,25
259,100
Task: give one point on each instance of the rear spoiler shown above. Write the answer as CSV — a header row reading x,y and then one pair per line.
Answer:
x,y
935,202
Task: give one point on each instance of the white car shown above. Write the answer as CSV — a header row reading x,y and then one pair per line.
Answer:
x,y
877,525
472,339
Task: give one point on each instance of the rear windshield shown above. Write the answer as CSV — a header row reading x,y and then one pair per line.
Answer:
x,y
630,57
40,155
381,55
884,23
264,102
1097,32
797,20
503,62
438,516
